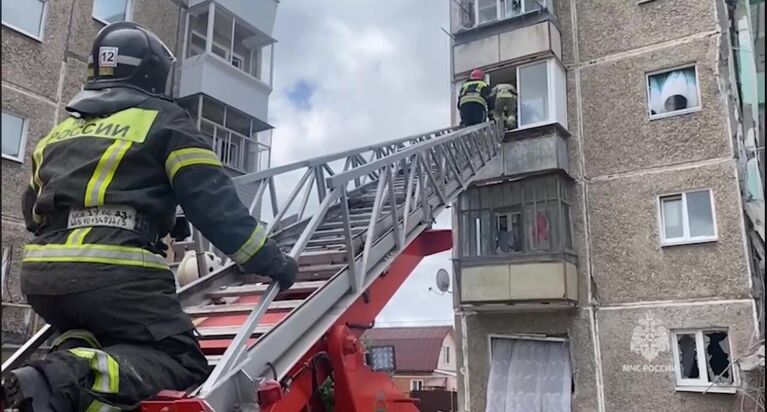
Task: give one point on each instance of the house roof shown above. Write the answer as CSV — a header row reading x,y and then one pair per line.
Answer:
x,y
416,349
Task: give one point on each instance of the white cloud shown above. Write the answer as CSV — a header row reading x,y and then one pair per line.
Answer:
x,y
377,71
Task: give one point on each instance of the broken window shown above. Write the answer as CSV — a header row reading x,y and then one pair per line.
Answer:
x,y
529,375
673,92
516,217
687,217
702,359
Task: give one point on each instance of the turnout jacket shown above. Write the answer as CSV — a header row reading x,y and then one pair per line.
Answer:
x,y
125,150
474,91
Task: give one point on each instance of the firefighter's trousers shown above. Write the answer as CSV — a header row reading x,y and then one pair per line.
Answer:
x,y
506,110
473,113
142,342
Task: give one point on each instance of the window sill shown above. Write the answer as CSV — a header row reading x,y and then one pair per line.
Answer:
x,y
688,241
707,389
675,113
13,158
37,38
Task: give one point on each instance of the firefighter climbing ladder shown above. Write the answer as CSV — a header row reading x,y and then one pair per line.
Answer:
x,y
367,205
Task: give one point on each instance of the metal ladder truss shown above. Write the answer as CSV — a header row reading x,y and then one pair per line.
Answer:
x,y
356,212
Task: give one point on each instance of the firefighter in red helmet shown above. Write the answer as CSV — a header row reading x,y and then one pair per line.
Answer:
x,y
474,99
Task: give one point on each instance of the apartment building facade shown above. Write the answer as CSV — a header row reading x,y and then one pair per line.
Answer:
x,y
611,258
223,78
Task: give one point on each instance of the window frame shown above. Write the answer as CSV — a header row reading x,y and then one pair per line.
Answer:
x,y
6,266
686,239
416,381
22,139
702,385
128,12
447,354
43,18
500,11
698,108
551,95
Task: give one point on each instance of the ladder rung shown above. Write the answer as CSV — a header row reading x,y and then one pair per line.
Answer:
x,y
238,309
244,290
327,256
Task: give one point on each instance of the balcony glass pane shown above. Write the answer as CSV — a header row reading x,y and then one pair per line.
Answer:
x,y
244,39
110,11
222,34
487,10
198,30
533,94
512,8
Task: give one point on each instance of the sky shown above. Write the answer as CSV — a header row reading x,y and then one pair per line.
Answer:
x,y
349,73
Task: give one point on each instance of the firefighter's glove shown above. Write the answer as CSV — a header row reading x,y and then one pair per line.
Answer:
x,y
272,262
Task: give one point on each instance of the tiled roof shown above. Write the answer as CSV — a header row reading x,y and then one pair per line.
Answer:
x,y
416,349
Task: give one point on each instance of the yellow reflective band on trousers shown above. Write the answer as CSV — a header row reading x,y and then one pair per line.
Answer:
x,y
80,334
77,237
251,246
106,374
105,172
90,253
181,158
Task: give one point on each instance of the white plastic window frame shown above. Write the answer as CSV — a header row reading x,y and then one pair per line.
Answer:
x,y
19,158
686,239
697,108
702,384
128,12
43,18
500,10
553,92
415,383
447,354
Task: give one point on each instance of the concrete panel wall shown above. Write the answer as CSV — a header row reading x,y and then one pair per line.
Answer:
x,y
520,282
650,386
535,154
611,26
629,264
478,53
525,41
618,133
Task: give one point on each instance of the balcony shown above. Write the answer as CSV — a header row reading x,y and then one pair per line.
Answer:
x,y
227,59
515,244
259,14
512,46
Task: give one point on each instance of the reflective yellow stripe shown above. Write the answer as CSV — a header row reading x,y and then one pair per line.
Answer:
x,y
473,99
130,124
81,334
106,373
89,253
105,172
181,158
78,236
251,246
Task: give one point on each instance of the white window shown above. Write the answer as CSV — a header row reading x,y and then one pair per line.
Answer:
x,y
110,11
529,375
14,136
416,384
26,17
541,88
447,354
687,218
492,10
673,92
702,361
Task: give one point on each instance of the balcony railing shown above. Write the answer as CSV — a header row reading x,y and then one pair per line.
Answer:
x,y
235,150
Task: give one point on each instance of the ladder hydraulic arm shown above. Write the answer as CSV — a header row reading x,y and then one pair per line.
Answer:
x,y
357,223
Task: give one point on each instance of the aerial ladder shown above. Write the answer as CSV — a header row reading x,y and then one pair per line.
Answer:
x,y
360,224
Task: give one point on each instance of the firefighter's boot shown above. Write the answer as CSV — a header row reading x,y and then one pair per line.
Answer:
x,y
27,390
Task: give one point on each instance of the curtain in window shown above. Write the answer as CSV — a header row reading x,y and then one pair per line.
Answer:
x,y
529,376
675,90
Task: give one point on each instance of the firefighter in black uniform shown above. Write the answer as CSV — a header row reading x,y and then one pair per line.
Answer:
x,y
104,190
474,99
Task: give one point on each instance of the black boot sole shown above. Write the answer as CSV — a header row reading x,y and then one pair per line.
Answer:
x,y
26,390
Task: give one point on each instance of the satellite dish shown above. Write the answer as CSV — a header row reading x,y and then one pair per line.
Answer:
x,y
443,280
